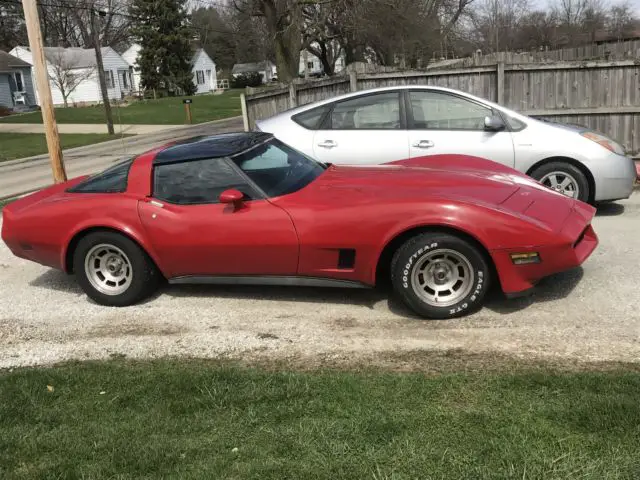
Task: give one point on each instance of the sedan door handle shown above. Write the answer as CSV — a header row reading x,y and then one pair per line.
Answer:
x,y
424,144
328,144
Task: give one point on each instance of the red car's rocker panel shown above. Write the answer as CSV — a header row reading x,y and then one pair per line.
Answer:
x,y
341,225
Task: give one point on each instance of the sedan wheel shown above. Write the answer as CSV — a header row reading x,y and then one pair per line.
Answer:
x,y
439,275
562,183
564,178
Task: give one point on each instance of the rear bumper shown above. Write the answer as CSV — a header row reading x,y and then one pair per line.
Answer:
x,y
578,241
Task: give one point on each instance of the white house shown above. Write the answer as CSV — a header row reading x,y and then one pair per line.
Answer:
x,y
204,72
312,66
78,66
266,69
204,69
131,57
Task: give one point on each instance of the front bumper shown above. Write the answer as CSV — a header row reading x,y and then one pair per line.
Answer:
x,y
614,177
576,242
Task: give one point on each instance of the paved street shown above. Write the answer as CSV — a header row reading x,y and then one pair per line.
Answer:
x,y
85,128
19,176
590,313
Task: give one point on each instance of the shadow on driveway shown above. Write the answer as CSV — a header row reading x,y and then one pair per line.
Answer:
x,y
549,289
609,209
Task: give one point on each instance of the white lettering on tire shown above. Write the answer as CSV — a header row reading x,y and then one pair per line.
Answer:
x,y
412,258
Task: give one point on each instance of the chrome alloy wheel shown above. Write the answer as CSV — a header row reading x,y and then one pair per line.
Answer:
x,y
561,182
442,277
108,269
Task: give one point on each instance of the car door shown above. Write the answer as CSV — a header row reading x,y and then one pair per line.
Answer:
x,y
445,123
194,234
368,129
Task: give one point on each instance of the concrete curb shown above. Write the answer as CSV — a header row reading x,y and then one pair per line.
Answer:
x,y
173,128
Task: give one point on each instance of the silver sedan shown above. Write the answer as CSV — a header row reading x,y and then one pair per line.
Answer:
x,y
395,123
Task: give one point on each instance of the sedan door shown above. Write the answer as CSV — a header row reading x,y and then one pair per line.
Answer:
x,y
194,234
364,130
445,123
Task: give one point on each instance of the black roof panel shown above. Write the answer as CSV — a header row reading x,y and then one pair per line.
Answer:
x,y
215,146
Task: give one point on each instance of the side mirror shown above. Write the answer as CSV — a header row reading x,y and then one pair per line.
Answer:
x,y
232,196
494,123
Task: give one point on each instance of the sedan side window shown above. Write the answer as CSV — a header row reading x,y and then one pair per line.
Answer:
x,y
442,111
369,112
198,182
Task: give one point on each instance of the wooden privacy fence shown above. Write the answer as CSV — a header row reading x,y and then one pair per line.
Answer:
x,y
604,96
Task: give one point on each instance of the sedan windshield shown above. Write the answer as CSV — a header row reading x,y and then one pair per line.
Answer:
x,y
278,169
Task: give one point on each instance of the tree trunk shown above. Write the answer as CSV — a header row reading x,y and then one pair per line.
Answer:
x,y
287,35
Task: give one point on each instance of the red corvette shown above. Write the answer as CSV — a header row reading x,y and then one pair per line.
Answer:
x,y
246,208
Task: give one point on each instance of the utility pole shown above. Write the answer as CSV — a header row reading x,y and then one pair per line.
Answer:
x,y
103,82
44,90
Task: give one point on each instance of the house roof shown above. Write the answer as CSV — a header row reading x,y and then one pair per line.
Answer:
x,y
251,67
9,62
130,55
73,57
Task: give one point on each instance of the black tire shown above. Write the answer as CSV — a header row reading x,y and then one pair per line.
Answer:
x,y
584,192
145,276
415,252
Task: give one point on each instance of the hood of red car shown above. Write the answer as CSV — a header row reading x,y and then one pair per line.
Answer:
x,y
398,181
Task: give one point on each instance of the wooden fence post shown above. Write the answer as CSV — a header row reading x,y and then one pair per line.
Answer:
x,y
293,95
245,115
500,83
353,81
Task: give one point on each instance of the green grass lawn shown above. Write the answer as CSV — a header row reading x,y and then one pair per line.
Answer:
x,y
197,419
164,111
20,145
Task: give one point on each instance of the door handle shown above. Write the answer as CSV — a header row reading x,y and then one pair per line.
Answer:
x,y
424,144
328,144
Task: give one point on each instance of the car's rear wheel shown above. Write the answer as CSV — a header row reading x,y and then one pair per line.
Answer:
x,y
113,270
564,178
439,275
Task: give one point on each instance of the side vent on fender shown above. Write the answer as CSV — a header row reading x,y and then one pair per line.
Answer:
x,y
346,258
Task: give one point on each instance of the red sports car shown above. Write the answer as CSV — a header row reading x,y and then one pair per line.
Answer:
x,y
245,208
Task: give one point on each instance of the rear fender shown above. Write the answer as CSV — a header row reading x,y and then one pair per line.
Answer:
x,y
134,233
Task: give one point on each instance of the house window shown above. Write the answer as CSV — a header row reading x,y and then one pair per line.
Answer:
x,y
209,76
108,78
310,65
125,79
200,77
19,82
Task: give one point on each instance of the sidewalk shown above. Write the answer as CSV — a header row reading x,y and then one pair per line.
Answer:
x,y
85,128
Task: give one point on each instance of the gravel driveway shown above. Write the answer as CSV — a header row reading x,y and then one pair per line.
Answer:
x,y
592,313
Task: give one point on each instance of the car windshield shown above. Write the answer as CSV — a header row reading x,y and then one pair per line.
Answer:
x,y
278,169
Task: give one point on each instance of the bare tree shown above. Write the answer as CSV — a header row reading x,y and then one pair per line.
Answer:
x,y
621,20
66,72
68,24
498,22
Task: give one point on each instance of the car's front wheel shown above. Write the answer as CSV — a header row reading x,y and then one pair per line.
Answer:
x,y
564,178
113,270
439,275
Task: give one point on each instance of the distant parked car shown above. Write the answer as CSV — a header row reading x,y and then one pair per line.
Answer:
x,y
395,123
247,209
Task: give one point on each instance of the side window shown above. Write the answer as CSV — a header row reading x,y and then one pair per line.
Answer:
x,y
197,182
112,180
378,112
311,118
441,111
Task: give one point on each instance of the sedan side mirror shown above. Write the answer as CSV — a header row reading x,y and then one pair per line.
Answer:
x,y
494,123
232,196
